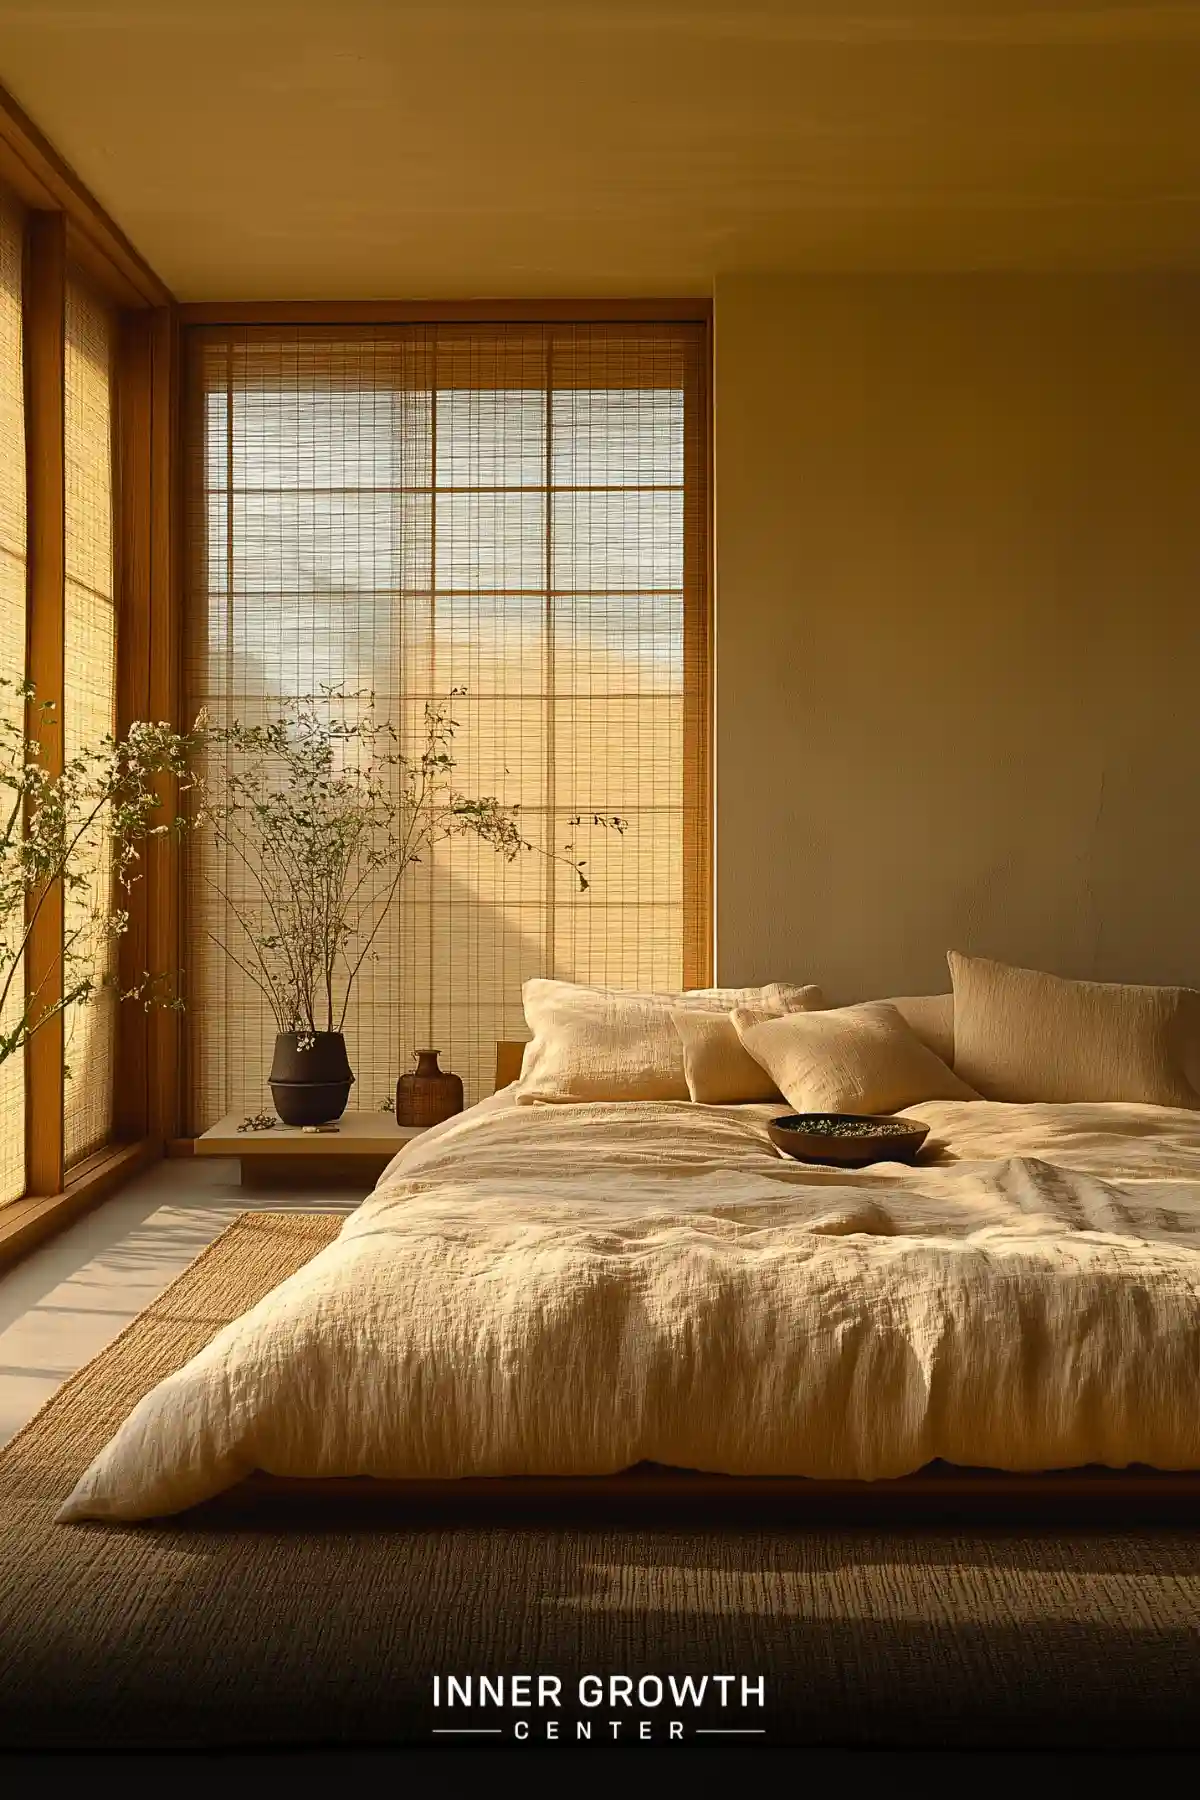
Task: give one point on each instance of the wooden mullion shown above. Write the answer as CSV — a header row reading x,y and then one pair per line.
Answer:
x,y
148,665
45,299
697,674
133,591
163,859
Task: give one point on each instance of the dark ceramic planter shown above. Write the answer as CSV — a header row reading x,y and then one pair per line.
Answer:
x,y
310,1086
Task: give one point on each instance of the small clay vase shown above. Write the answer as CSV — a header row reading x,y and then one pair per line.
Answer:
x,y
429,1094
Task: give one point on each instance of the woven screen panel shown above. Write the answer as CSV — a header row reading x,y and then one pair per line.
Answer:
x,y
89,690
514,511
12,638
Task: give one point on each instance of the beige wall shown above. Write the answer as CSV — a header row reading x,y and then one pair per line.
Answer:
x,y
958,627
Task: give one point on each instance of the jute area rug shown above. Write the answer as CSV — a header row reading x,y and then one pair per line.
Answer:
x,y
325,1625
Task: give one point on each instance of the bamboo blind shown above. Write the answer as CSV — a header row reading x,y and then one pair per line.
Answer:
x,y
517,511
12,624
510,510
89,681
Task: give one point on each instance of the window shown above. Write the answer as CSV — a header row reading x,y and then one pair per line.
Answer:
x,y
514,511
89,677
12,625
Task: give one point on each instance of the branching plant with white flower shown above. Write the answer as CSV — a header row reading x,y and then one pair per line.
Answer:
x,y
319,815
82,833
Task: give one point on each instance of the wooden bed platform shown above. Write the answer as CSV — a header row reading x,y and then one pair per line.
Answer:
x,y
937,1494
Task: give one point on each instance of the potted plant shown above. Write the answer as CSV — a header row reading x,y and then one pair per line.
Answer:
x,y
318,815
80,832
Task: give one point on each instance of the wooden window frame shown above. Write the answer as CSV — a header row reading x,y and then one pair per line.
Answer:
x,y
67,228
651,311
259,317
255,321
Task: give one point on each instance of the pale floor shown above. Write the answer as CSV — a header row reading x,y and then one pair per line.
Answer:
x,y
71,1296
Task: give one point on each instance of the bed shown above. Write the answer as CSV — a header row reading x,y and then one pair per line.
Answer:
x,y
568,1292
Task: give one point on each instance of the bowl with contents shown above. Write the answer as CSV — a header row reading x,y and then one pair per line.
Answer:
x,y
848,1140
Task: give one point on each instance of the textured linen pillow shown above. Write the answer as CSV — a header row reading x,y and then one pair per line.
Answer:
x,y
856,1059
1021,1035
720,1071
610,1044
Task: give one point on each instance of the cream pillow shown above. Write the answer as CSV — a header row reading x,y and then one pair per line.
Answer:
x,y
610,1044
931,1016
854,1059
720,1071
1021,1035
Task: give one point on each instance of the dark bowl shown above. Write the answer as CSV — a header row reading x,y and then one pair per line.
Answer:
x,y
894,1139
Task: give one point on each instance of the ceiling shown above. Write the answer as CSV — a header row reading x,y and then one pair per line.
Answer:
x,y
369,149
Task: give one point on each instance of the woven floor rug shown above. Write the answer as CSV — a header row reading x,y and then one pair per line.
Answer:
x,y
313,1625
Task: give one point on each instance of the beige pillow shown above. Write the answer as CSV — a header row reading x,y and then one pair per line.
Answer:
x,y
855,1059
719,1070
931,1016
610,1044
1021,1035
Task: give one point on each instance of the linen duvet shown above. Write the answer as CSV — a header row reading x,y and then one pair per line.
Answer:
x,y
572,1289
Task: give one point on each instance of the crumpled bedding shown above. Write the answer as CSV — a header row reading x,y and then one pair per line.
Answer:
x,y
573,1289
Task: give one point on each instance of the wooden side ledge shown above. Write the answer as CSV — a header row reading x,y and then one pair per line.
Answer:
x,y
26,1223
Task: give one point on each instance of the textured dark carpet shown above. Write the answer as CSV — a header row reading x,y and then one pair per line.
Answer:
x,y
310,1625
